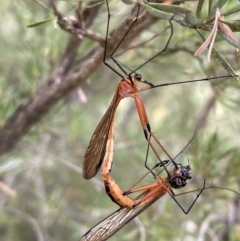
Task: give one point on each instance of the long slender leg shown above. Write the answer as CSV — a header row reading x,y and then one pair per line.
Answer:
x,y
147,129
157,54
171,193
131,190
106,41
163,163
112,188
120,65
149,60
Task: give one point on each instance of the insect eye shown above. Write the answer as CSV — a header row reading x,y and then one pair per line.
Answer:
x,y
138,76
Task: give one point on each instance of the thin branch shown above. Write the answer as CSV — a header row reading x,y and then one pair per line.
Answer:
x,y
64,78
38,232
202,120
97,183
77,26
141,228
206,224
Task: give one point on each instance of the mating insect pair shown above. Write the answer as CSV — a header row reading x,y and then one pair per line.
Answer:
x,y
100,149
149,194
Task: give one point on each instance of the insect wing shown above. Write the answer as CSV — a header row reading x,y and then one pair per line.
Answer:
x,y
96,149
113,223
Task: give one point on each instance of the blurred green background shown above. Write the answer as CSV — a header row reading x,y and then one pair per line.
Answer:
x,y
43,195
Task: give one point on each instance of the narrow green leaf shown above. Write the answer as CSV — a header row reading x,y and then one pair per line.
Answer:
x,y
222,3
199,8
234,25
225,64
40,22
209,7
88,1
170,8
234,9
219,5
195,22
176,1
230,40
160,14
128,2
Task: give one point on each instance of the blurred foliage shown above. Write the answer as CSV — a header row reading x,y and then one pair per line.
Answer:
x,y
46,197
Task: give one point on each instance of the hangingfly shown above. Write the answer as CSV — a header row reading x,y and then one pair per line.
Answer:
x,y
151,193
100,148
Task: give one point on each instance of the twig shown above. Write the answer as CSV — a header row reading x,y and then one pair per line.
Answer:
x,y
38,232
201,122
76,27
67,75
141,229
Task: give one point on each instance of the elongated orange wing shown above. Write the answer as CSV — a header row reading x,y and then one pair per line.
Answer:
x,y
114,222
96,149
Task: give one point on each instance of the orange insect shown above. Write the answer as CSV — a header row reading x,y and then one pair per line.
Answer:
x,y
128,87
150,193
100,148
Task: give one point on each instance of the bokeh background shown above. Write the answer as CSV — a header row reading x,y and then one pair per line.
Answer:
x,y
43,195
